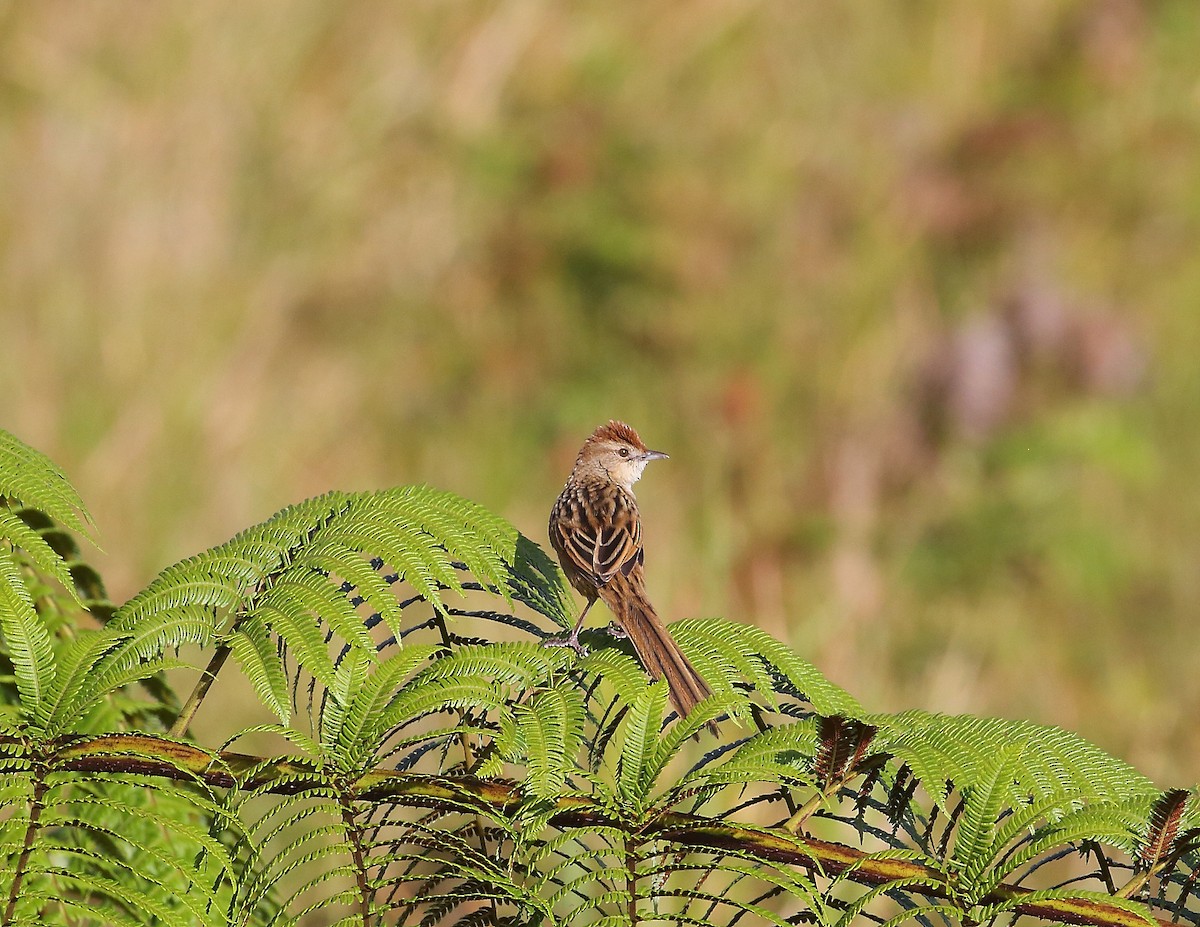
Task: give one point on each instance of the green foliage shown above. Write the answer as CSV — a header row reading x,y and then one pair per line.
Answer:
x,y
101,848
426,773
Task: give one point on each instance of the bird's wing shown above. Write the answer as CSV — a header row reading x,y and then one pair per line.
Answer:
x,y
617,548
603,549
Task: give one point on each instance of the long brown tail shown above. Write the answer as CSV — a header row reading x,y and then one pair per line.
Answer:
x,y
660,656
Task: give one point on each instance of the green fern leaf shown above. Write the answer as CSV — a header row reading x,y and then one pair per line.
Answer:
x,y
781,754
537,581
618,670
349,674
728,651
638,769
1110,823
468,532
41,555
137,851
75,668
252,647
684,729
551,732
1022,822
364,727
228,576
417,700
313,600
302,632
35,481
518,662
960,749
26,638
859,905
983,801
335,557
302,574
948,913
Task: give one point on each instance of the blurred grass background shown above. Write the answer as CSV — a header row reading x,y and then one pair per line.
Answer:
x,y
910,292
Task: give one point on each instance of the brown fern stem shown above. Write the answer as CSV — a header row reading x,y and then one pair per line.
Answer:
x,y
359,856
631,880
35,814
470,759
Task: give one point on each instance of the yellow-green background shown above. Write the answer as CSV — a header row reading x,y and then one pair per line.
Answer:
x,y
910,292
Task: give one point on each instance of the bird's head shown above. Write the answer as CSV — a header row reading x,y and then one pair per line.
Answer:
x,y
615,451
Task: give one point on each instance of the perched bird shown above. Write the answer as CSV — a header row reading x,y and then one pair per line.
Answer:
x,y
597,533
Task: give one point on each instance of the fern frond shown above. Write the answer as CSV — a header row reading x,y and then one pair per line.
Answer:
x,y
365,723
536,581
948,913
413,701
40,554
360,575
728,652
484,542
617,669
517,663
565,866
300,630
550,728
700,717
31,478
75,665
303,574
960,749
731,881
150,636
638,766
1112,824
142,851
96,666
255,651
26,638
862,903
1165,818
983,801
784,753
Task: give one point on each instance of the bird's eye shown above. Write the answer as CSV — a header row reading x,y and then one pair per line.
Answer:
x,y
624,452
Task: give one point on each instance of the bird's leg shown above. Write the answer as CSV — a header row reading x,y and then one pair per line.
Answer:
x,y
572,639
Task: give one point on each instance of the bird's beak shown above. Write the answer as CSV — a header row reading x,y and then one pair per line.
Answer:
x,y
654,455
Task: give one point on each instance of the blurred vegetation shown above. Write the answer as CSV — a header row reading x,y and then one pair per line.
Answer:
x,y
908,291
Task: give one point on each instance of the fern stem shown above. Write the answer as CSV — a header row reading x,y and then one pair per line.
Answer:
x,y
470,761
1102,863
35,814
360,863
631,880
804,812
203,684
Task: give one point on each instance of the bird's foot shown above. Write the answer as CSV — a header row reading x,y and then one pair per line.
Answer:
x,y
615,630
570,640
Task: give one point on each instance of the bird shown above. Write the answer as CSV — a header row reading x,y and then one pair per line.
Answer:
x,y
596,530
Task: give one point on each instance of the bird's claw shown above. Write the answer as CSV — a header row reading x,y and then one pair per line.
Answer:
x,y
570,640
615,630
